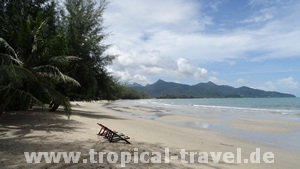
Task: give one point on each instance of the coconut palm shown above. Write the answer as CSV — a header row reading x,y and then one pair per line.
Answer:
x,y
31,66
12,74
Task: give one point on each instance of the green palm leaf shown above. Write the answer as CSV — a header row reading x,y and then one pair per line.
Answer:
x,y
17,73
7,94
10,54
62,60
53,72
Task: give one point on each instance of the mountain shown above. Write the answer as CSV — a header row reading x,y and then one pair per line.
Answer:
x,y
162,89
133,85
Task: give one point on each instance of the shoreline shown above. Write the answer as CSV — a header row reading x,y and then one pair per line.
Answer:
x,y
267,128
41,131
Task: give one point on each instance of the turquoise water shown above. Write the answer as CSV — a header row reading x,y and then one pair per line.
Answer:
x,y
280,105
230,111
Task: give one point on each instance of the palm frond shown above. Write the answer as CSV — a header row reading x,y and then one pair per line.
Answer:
x,y
42,23
10,54
73,58
8,93
50,69
54,73
71,80
36,33
63,59
6,59
16,73
6,25
58,60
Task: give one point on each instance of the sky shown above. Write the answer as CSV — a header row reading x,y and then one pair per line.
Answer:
x,y
254,43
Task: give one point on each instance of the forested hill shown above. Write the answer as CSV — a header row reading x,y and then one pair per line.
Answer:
x,y
162,89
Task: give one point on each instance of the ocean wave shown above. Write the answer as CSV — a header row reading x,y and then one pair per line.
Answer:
x,y
281,111
180,104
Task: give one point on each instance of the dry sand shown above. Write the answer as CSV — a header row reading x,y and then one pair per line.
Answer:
x,y
38,131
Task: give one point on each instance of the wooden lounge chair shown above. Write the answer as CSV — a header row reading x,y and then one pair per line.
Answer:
x,y
112,136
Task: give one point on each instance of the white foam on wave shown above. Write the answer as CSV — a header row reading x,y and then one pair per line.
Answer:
x,y
282,111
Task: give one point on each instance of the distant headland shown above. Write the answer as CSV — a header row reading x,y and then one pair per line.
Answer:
x,y
163,89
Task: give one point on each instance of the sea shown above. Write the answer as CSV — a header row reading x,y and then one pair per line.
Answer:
x,y
220,114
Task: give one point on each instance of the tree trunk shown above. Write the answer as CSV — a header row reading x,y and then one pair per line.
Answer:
x,y
54,107
2,107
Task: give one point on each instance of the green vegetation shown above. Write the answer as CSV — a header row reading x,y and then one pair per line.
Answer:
x,y
129,93
54,53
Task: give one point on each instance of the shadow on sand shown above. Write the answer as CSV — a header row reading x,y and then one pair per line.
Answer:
x,y
16,137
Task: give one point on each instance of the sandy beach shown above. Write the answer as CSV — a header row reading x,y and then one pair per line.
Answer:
x,y
41,131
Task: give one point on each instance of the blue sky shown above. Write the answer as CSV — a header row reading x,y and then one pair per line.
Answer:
x,y
251,43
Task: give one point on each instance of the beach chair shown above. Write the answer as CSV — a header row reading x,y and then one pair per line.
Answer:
x,y
112,136
103,130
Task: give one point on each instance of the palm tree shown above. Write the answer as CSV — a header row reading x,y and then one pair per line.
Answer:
x,y
12,74
32,71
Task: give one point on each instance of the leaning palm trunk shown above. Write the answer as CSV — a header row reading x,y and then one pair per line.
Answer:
x,y
2,107
3,102
53,106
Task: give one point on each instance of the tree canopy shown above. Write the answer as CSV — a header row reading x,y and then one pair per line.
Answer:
x,y
83,25
53,53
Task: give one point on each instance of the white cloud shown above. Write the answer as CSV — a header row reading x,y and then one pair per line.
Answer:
x,y
152,70
200,73
287,85
125,76
241,80
216,80
188,70
288,82
180,68
184,67
215,73
231,63
214,4
141,79
151,37
255,3
270,86
155,15
262,16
